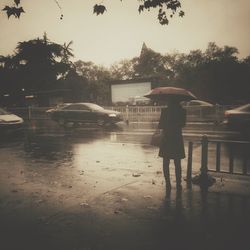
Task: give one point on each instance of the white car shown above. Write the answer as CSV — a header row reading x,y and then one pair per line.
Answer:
x,y
9,122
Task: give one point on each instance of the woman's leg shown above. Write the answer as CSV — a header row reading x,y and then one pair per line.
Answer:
x,y
166,162
177,163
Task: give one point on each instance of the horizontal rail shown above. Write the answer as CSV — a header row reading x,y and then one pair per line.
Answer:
x,y
243,158
242,147
136,113
228,141
226,172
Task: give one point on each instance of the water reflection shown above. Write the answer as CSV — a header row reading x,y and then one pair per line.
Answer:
x,y
208,219
56,150
48,148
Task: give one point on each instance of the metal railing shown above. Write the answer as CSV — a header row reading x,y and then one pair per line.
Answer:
x,y
135,113
152,113
235,149
243,146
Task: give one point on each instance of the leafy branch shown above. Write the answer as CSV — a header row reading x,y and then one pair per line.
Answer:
x,y
166,9
14,10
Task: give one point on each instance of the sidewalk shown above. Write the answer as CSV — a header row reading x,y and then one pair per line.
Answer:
x,y
79,195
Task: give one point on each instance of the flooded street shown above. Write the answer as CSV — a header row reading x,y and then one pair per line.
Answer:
x,y
104,189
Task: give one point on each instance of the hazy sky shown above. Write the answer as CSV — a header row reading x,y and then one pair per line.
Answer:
x,y
120,32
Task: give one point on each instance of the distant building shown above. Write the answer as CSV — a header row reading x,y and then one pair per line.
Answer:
x,y
130,91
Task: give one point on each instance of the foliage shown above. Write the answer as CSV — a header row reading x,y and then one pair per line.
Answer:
x,y
36,65
124,69
14,10
215,75
98,78
166,9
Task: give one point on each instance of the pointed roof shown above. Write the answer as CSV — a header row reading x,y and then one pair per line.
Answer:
x,y
144,49
144,46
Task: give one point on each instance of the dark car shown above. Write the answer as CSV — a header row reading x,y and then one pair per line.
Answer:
x,y
239,119
10,123
80,113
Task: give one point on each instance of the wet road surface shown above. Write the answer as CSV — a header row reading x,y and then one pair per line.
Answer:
x,y
104,189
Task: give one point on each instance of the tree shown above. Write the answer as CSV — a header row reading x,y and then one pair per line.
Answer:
x,y
215,53
98,78
166,9
123,70
67,52
41,62
36,65
215,75
78,86
151,64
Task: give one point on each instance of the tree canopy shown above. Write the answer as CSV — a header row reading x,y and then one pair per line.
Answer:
x,y
36,65
166,8
216,74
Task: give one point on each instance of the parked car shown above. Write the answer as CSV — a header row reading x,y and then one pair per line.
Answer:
x,y
200,110
139,100
198,103
9,122
77,113
239,119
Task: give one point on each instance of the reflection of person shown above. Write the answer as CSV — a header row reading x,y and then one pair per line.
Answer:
x,y
172,119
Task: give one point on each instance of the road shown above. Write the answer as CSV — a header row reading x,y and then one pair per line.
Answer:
x,y
139,134
103,189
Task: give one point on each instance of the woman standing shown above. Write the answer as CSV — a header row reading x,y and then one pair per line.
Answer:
x,y
172,120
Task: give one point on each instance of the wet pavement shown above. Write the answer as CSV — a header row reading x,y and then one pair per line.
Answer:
x,y
92,188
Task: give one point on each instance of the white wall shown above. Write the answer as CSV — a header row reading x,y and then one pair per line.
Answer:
x,y
122,92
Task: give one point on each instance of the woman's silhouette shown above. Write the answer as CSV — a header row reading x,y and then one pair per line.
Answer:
x,y
172,120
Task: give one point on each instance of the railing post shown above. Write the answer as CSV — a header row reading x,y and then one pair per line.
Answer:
x,y
218,153
204,155
231,160
29,113
127,110
204,179
189,163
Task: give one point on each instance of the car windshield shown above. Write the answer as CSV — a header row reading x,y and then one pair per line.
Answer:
x,y
94,106
62,105
199,103
3,112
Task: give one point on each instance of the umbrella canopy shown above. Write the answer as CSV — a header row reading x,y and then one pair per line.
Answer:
x,y
168,93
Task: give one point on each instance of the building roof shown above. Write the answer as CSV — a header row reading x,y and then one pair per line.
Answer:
x,y
145,49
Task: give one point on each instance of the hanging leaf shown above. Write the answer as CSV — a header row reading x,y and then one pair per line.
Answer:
x,y
18,12
13,11
141,8
17,2
99,9
181,13
9,11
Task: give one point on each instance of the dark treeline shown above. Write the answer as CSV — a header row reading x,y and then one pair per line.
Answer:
x,y
42,66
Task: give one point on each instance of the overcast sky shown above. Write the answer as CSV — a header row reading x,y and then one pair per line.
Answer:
x,y
120,32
